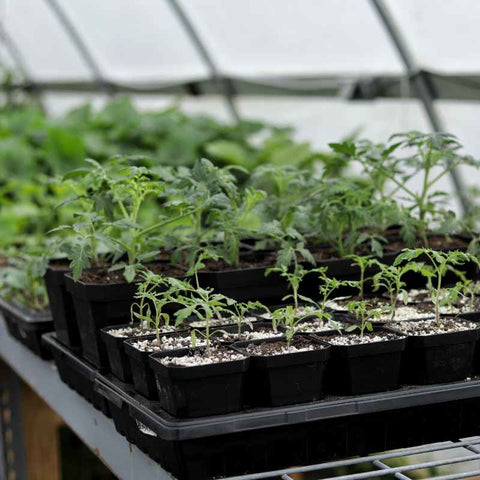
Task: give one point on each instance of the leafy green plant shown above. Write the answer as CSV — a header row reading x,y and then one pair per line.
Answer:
x,y
439,264
242,309
390,278
294,277
363,263
363,315
287,317
328,287
119,192
234,216
434,156
347,217
21,279
469,289
287,191
155,293
205,305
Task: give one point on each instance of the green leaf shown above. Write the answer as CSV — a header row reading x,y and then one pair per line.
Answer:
x,y
345,148
229,152
80,259
130,273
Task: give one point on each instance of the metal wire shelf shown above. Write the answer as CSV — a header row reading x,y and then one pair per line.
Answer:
x,y
379,469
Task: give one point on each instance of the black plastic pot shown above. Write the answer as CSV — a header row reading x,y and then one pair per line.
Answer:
x,y
285,379
262,440
117,358
364,368
62,308
474,317
77,373
233,329
346,269
190,392
27,326
98,306
246,284
341,269
440,358
142,374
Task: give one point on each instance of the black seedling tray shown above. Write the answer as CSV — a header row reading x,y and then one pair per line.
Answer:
x,y
265,439
27,326
61,306
76,372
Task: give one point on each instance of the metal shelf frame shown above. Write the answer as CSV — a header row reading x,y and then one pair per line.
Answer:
x,y
95,430
470,449
129,463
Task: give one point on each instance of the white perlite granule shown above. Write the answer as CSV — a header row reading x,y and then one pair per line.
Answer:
x,y
334,305
251,335
315,326
216,356
144,429
357,339
301,312
256,350
135,331
168,343
430,327
404,313
217,322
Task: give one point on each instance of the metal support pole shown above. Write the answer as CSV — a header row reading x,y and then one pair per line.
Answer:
x,y
420,87
81,46
224,83
13,460
22,67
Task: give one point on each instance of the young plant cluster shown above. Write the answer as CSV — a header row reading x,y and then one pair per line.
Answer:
x,y
124,212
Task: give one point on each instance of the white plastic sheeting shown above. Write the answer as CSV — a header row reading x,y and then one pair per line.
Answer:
x,y
145,41
139,40
308,37
42,42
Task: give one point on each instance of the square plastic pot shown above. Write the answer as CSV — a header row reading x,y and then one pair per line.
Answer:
x,y
474,317
246,284
190,392
77,373
117,358
27,326
62,308
119,361
364,368
440,358
142,373
98,306
285,379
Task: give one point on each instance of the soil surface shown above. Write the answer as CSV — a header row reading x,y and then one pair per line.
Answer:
x,y
430,327
219,322
144,429
195,358
103,276
314,326
59,264
298,344
247,261
171,342
137,331
341,303
259,333
329,253
301,311
357,339
436,242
